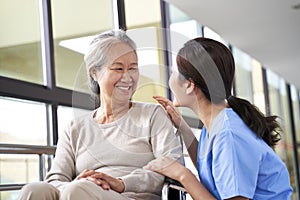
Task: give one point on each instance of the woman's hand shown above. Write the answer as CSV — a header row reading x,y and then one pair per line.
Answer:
x,y
115,184
105,181
170,109
168,167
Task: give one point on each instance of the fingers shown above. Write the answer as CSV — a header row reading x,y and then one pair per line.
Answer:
x,y
99,182
100,175
95,177
166,103
85,174
114,183
163,101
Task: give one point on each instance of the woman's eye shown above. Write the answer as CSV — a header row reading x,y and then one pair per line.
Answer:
x,y
117,69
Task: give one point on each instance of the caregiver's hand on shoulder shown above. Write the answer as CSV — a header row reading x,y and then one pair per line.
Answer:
x,y
170,109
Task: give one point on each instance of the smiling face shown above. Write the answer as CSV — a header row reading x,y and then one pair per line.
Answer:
x,y
119,77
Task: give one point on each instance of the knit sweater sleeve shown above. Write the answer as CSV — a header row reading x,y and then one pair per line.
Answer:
x,y
63,167
164,143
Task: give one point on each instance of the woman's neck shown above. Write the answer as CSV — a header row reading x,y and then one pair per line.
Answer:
x,y
109,112
208,111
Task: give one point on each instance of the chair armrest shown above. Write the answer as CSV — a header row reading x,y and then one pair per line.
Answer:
x,y
174,184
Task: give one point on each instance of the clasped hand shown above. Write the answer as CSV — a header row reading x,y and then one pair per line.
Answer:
x,y
103,180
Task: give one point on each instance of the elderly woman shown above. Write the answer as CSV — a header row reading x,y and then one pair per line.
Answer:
x,y
101,155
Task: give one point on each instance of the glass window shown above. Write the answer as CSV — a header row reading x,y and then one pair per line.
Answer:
x,y
137,16
209,33
20,45
144,27
73,30
243,76
182,29
9,195
17,169
258,86
22,122
296,110
279,106
184,25
25,168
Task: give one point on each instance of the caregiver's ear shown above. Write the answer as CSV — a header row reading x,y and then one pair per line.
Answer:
x,y
190,86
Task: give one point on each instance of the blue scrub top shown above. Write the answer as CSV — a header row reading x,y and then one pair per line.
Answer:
x,y
233,161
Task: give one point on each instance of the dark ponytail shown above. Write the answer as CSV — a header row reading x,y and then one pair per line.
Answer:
x,y
266,127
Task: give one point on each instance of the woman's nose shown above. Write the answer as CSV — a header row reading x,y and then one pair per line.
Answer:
x,y
127,76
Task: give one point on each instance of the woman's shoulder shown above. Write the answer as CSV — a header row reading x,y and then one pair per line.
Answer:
x,y
78,119
145,105
147,108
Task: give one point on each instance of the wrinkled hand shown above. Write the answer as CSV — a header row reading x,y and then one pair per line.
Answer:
x,y
167,166
170,109
105,181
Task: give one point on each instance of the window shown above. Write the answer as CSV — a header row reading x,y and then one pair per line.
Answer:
x,y
73,28
279,106
144,27
29,115
243,76
258,86
296,109
20,43
209,33
22,122
182,29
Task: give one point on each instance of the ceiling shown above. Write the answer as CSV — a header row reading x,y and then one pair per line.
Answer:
x,y
267,30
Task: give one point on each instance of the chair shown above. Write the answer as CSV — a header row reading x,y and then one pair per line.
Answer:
x,y
173,190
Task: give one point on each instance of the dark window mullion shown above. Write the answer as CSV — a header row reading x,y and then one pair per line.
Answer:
x,y
294,142
47,44
165,23
49,69
119,12
266,91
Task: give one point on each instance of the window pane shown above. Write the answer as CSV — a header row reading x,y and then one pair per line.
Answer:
x,y
9,195
183,24
182,29
20,47
22,122
25,168
243,77
145,23
71,30
296,110
209,33
137,16
279,106
258,86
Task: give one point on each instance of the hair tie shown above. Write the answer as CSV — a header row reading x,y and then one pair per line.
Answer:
x,y
229,97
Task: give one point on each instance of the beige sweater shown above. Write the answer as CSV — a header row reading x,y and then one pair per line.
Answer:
x,y
120,149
